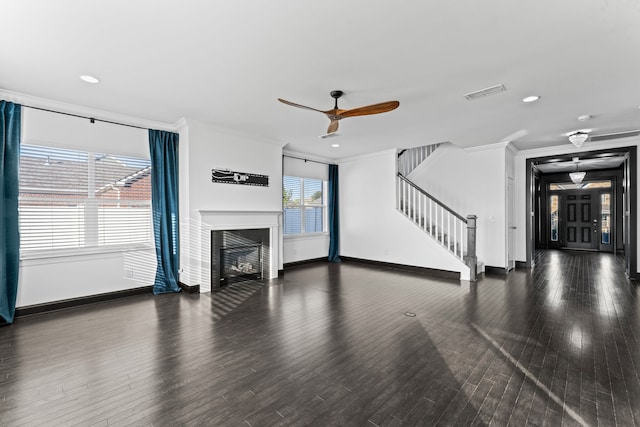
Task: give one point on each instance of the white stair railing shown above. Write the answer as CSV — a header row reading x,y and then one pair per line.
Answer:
x,y
453,231
410,158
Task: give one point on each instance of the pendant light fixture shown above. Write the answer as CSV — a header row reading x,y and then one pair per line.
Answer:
x,y
577,176
578,138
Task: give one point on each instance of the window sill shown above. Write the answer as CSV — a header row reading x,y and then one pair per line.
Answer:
x,y
82,252
305,236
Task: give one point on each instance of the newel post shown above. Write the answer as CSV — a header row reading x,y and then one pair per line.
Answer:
x,y
470,257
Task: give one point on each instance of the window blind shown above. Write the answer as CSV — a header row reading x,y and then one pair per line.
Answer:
x,y
303,205
80,199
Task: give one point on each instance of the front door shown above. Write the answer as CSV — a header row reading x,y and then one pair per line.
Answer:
x,y
580,220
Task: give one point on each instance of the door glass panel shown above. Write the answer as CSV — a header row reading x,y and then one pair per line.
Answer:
x,y
554,217
605,218
582,186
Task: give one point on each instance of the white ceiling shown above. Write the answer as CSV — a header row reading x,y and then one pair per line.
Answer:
x,y
226,62
609,162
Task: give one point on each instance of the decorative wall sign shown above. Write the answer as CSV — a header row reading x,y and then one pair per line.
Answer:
x,y
230,177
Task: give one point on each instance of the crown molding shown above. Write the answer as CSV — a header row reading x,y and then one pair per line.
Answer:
x,y
304,156
503,144
569,148
512,148
181,124
233,132
389,151
81,110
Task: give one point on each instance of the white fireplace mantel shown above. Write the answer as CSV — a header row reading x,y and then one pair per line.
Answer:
x,y
214,220
234,220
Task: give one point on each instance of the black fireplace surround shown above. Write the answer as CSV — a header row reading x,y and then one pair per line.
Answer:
x,y
238,255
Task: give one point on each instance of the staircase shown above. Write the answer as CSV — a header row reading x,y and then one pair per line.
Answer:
x,y
410,158
453,231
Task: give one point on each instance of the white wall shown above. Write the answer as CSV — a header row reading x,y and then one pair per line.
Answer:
x,y
371,227
302,248
209,147
45,280
520,182
472,182
57,130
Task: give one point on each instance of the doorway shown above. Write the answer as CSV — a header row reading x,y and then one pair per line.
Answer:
x,y
583,219
511,228
600,217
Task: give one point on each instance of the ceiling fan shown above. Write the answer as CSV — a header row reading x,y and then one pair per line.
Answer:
x,y
336,114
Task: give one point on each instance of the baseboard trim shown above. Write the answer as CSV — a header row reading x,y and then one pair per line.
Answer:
x,y
521,264
195,289
409,268
303,262
495,270
73,302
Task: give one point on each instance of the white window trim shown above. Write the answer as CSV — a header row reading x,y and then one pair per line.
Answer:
x,y
324,206
319,235
92,249
79,252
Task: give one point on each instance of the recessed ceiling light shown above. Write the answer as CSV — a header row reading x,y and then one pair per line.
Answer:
x,y
584,117
89,79
531,98
335,145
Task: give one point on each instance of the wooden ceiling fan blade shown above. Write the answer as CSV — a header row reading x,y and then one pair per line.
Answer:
x,y
333,126
293,104
382,107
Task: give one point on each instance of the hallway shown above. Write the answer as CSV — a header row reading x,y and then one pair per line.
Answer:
x,y
332,344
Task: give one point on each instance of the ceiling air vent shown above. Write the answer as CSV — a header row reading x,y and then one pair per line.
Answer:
x,y
485,92
616,135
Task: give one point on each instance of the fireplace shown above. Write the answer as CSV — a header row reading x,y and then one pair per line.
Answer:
x,y
214,229
238,255
239,263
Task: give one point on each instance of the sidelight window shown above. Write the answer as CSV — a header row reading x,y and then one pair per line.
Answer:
x,y
553,202
605,218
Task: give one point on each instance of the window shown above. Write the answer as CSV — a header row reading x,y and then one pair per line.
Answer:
x,y
584,185
304,205
554,217
605,218
77,199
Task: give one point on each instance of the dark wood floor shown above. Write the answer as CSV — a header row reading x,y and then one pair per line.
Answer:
x,y
330,344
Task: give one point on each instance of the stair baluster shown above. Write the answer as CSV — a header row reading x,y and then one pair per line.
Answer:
x,y
453,231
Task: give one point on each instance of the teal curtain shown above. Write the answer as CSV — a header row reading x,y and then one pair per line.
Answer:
x,y
334,219
164,204
9,231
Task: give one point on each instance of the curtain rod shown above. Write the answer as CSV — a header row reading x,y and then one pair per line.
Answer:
x,y
307,160
91,119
